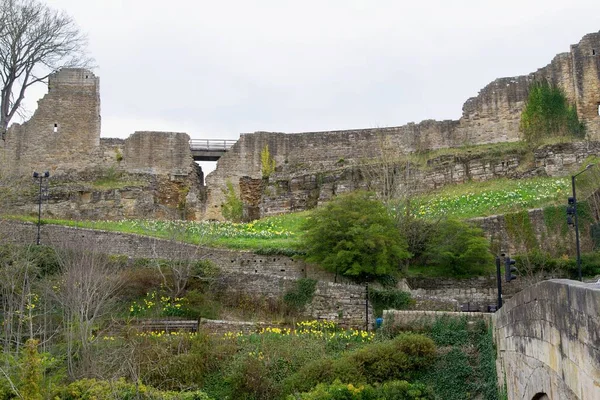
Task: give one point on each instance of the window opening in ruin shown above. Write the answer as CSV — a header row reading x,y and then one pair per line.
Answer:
x,y
593,52
55,128
86,77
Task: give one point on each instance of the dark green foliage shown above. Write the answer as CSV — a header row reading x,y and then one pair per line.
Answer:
x,y
466,363
354,235
389,299
92,389
300,295
452,376
539,261
486,368
449,331
43,258
259,368
393,390
459,248
548,113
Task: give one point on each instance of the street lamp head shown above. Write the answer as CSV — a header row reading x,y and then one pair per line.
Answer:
x,y
589,166
36,175
46,174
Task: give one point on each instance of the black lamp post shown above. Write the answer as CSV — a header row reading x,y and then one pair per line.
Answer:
x,y
40,177
574,211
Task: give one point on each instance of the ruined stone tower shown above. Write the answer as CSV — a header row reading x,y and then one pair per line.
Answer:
x,y
64,131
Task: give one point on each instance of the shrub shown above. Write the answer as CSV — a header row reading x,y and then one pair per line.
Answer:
x,y
547,113
233,208
92,389
459,248
354,235
267,162
300,295
394,390
401,358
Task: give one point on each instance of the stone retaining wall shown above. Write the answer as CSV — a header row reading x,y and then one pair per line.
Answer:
x,y
342,303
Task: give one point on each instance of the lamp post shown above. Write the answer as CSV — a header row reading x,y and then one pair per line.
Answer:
x,y
575,215
40,177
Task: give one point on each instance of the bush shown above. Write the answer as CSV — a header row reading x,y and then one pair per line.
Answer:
x,y
389,299
548,113
404,357
262,364
460,249
394,390
92,389
354,235
233,208
300,295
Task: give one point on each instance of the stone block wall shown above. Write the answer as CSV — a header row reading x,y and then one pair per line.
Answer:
x,y
138,246
472,293
63,137
548,341
342,303
221,327
285,192
64,131
166,153
491,117
262,276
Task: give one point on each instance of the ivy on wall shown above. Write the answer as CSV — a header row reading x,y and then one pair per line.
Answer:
x,y
520,230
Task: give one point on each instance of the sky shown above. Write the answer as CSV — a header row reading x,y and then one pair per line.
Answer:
x,y
218,68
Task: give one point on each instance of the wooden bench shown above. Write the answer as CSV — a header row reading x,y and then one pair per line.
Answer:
x,y
168,325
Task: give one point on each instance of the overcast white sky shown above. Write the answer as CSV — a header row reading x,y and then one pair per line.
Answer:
x,y
217,68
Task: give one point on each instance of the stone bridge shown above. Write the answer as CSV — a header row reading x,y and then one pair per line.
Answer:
x,y
548,341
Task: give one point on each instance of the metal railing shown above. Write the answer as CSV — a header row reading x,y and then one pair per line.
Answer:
x,y
211,144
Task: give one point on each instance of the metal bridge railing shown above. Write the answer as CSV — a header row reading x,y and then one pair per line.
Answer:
x,y
211,144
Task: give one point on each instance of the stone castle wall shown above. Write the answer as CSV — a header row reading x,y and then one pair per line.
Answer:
x,y
284,192
492,116
149,174
64,131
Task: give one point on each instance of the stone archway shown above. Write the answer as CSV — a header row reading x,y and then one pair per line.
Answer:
x,y
541,396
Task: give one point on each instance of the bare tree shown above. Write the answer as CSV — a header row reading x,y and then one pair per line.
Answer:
x,y
35,41
87,289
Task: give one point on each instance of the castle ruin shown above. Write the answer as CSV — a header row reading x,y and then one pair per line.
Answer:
x,y
153,173
149,174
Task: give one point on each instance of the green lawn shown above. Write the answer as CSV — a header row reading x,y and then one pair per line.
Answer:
x,y
479,199
279,232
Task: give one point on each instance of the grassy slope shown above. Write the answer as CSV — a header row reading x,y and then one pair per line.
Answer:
x,y
283,232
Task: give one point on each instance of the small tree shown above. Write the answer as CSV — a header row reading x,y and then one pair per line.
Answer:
x,y
459,248
233,208
267,162
354,235
86,291
548,113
